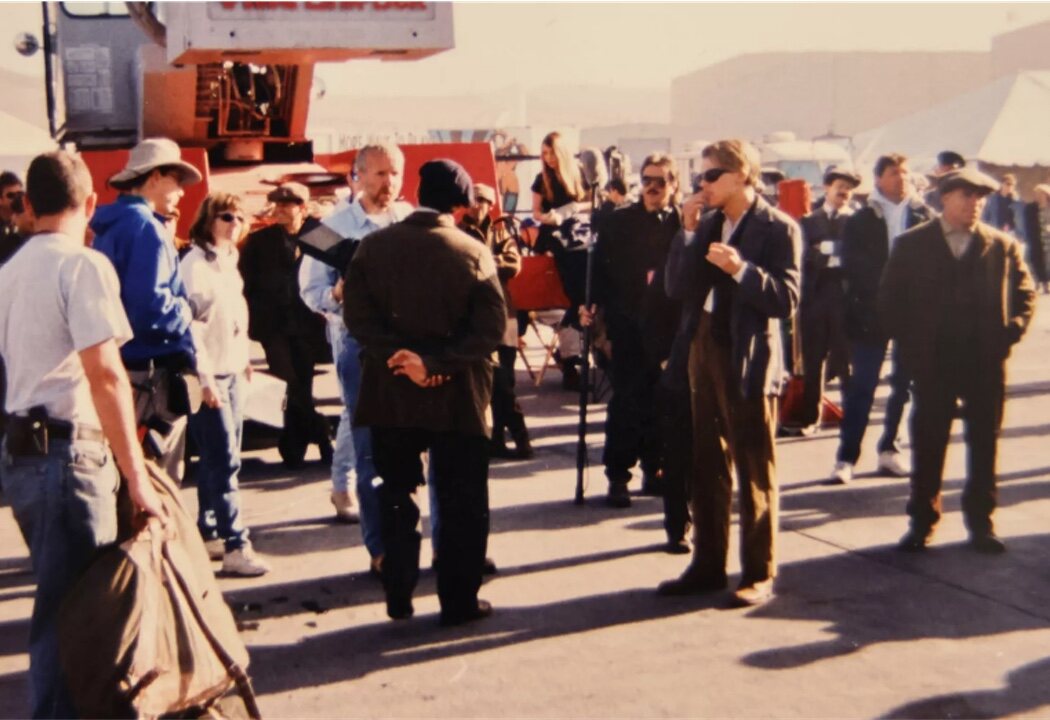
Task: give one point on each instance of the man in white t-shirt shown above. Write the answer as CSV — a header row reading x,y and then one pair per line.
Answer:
x,y
61,325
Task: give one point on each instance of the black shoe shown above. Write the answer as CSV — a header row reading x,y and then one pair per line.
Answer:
x,y
987,543
570,376
618,496
692,583
522,445
914,540
399,608
483,610
490,567
653,484
500,450
677,547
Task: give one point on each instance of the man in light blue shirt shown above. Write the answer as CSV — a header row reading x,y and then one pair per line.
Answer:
x,y
378,173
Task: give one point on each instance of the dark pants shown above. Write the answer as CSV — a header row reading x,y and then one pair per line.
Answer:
x,y
677,460
506,413
824,346
982,413
459,467
867,361
632,432
730,430
292,358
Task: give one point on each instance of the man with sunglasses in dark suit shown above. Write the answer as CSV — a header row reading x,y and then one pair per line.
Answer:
x,y
736,271
630,254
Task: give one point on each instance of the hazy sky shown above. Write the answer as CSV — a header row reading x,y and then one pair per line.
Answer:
x,y
500,44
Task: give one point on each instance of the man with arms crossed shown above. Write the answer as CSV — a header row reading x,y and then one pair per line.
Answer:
x,y
61,323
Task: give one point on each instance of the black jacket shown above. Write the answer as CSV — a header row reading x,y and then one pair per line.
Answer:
x,y
865,249
771,245
816,228
269,264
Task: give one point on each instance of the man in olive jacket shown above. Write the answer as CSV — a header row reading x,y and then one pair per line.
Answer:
x,y
424,301
956,295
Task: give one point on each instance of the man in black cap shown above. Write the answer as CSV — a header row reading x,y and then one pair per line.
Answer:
x,y
292,335
423,299
947,160
956,295
822,309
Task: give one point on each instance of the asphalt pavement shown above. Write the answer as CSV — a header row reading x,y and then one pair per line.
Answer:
x,y
857,629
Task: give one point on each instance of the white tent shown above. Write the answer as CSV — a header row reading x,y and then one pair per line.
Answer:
x,y
1005,124
20,142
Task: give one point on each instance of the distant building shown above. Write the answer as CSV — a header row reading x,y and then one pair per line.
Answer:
x,y
814,93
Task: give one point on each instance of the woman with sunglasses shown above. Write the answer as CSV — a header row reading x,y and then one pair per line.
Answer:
x,y
220,334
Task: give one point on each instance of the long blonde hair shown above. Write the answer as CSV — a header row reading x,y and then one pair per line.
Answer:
x,y
567,172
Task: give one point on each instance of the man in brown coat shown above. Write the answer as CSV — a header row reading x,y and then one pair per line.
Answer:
x,y
956,295
424,301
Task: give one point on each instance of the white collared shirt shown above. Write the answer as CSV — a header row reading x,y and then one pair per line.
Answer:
x,y
844,211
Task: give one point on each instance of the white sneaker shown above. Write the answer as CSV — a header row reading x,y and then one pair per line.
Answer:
x,y
245,562
890,464
842,474
216,548
344,507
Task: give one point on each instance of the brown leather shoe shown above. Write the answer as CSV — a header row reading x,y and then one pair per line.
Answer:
x,y
692,583
753,594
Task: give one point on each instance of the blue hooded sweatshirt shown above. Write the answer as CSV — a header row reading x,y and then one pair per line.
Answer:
x,y
131,235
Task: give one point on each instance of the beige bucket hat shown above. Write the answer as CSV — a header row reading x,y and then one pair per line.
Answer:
x,y
153,153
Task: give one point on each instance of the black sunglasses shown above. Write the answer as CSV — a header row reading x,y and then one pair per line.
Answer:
x,y
230,217
711,176
656,180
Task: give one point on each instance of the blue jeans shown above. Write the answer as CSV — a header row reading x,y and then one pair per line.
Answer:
x,y
867,358
66,507
343,457
217,432
348,366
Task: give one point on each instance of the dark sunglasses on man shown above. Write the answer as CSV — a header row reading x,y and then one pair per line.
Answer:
x,y
658,180
711,176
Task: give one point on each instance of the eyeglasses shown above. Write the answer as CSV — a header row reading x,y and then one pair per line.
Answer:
x,y
230,217
657,180
13,194
711,176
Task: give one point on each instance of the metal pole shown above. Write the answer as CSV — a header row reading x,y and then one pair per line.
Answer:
x,y
585,360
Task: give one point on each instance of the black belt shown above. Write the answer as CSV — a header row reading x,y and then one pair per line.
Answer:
x,y
68,431
59,430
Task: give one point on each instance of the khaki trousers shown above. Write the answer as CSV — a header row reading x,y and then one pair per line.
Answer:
x,y
730,431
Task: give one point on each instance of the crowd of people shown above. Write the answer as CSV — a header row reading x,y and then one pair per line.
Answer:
x,y
126,346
